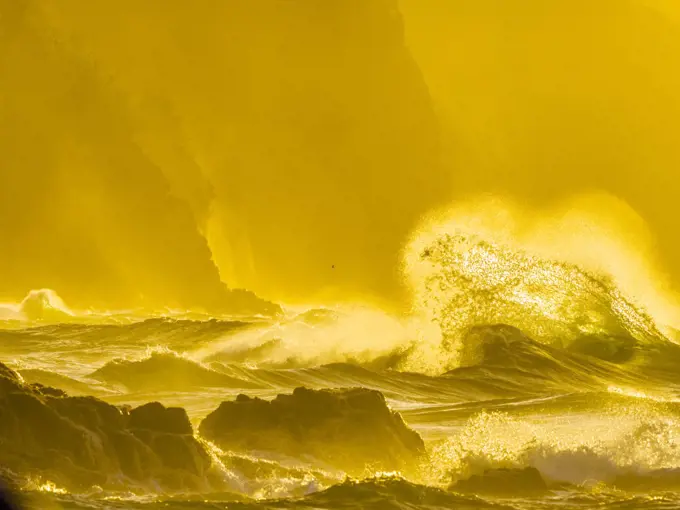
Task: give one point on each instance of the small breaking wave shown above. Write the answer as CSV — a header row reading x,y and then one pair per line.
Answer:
x,y
165,370
627,447
41,305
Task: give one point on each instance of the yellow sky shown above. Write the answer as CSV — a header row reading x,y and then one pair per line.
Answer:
x,y
150,150
546,99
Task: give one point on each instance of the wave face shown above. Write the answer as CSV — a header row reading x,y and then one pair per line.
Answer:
x,y
466,280
595,423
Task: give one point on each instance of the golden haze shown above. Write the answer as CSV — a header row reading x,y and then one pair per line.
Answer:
x,y
290,148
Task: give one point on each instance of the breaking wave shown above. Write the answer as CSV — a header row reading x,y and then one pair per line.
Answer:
x,y
490,265
518,364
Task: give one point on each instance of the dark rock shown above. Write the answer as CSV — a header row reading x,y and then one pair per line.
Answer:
x,y
181,452
8,373
47,390
154,416
78,442
8,499
505,482
348,429
91,412
661,479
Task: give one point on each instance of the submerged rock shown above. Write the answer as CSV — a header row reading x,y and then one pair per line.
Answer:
x,y
349,429
78,442
660,479
506,482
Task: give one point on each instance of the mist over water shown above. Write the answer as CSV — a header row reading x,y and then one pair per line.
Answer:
x,y
414,254
510,362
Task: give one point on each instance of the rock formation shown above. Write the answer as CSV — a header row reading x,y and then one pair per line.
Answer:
x,y
349,429
78,442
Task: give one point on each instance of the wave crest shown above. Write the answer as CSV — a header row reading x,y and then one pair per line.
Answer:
x,y
467,281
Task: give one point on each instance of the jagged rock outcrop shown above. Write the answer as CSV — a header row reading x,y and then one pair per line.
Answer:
x,y
209,150
130,239
78,442
348,429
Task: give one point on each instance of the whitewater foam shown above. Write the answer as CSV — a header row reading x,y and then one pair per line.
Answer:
x,y
492,262
590,450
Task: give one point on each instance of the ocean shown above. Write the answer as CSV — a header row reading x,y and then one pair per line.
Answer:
x,y
516,382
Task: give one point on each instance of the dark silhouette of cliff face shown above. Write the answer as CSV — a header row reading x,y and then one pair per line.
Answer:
x,y
83,208
348,429
297,137
77,442
334,134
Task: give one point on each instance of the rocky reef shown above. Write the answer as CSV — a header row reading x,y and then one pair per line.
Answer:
x,y
80,442
348,429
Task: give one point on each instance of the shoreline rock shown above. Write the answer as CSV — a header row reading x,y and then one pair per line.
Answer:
x,y
349,429
79,442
